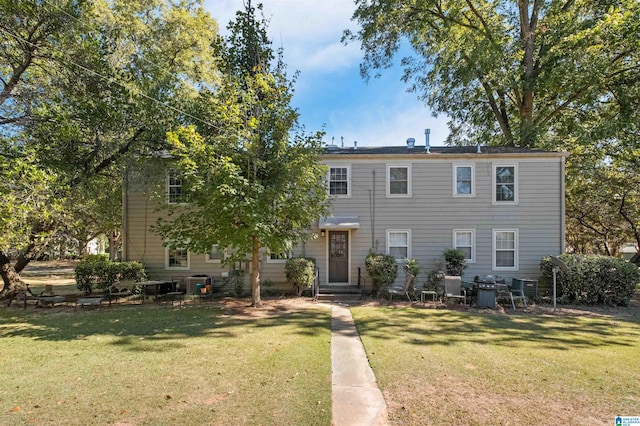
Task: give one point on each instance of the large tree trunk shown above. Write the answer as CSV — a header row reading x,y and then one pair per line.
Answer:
x,y
114,242
256,301
10,276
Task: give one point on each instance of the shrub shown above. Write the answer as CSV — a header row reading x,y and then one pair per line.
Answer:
x,y
411,267
300,272
455,262
593,280
98,272
435,276
382,269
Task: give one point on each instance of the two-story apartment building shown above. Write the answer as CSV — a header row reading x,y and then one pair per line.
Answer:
x,y
504,207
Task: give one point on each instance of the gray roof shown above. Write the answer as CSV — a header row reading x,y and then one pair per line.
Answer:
x,y
420,150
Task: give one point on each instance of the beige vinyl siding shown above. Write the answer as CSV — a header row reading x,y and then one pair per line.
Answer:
x,y
431,214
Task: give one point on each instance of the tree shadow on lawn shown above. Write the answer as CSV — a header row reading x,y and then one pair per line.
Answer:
x,y
449,327
142,327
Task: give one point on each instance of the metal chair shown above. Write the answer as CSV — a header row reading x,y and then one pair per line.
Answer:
x,y
517,291
453,289
404,289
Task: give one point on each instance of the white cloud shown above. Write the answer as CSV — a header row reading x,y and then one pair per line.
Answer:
x,y
308,30
331,58
383,126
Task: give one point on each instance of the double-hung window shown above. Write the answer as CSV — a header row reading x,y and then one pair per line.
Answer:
x,y
463,185
176,258
339,177
398,180
174,187
505,249
399,244
505,184
279,257
215,254
464,240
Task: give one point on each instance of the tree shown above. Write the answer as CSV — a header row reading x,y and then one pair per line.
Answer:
x,y
86,84
506,72
549,74
256,180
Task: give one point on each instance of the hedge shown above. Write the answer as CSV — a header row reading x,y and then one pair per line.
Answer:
x,y
593,280
98,272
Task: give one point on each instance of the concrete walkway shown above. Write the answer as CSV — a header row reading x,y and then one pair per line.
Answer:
x,y
355,396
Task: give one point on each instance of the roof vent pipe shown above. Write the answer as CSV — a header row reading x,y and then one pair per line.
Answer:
x,y
411,143
478,149
342,141
355,144
427,148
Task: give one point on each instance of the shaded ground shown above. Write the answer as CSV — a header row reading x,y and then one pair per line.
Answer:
x,y
60,274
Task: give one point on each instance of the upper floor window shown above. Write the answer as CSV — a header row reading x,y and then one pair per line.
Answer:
x,y
398,244
339,181
215,255
174,188
464,240
177,258
505,184
463,184
398,181
505,249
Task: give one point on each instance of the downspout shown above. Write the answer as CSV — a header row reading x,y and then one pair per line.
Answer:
x,y
125,214
563,197
373,210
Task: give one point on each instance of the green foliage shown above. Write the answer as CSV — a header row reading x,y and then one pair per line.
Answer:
x,y
98,272
300,272
455,261
254,180
594,280
543,74
382,268
411,267
85,84
435,276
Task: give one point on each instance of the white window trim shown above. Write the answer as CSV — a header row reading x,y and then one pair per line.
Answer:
x,y
473,243
207,259
516,254
473,180
270,260
408,232
172,172
408,167
494,184
176,268
339,166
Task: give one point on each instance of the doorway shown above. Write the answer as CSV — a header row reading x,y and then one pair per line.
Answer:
x,y
338,257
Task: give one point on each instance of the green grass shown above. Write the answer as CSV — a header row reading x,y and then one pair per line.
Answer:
x,y
448,367
155,366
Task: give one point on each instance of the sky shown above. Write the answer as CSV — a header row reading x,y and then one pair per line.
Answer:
x,y
329,91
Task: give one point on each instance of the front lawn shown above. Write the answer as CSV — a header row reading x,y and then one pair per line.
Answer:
x,y
456,367
150,365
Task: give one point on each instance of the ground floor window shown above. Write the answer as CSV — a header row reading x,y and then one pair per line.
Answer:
x,y
398,244
505,249
464,240
176,258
